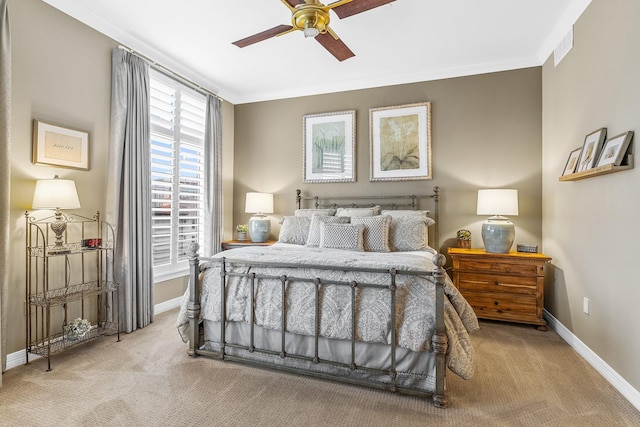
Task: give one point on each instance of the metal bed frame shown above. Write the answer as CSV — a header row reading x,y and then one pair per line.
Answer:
x,y
437,276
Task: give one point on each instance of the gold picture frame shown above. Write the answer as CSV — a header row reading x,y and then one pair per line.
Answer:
x,y
400,142
54,145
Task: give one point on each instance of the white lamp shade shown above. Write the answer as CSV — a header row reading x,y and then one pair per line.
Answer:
x,y
55,194
498,202
259,203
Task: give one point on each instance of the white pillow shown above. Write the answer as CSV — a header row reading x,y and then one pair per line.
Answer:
x,y
376,232
312,212
409,233
373,210
313,239
342,236
295,229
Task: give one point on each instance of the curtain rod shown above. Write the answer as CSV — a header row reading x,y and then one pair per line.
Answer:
x,y
171,73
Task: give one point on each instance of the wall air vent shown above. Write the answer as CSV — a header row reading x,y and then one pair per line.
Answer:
x,y
563,48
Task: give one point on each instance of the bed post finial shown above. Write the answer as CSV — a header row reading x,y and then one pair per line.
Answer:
x,y
298,198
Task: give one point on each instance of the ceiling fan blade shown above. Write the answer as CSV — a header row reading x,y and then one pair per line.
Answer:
x,y
291,4
267,34
335,46
357,6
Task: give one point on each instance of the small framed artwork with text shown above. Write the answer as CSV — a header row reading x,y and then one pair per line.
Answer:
x,y
572,162
55,145
591,149
614,149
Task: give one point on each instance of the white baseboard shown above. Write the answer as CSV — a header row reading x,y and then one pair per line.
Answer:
x,y
20,357
619,383
167,305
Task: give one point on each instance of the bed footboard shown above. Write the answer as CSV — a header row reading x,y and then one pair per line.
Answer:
x,y
439,340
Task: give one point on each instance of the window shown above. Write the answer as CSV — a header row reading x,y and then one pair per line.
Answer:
x,y
177,173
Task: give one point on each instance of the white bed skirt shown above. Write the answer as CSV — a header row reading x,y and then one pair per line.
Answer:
x,y
415,370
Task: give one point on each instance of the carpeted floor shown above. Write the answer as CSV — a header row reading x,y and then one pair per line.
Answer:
x,y
524,378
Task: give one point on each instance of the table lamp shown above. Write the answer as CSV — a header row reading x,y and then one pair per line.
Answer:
x,y
259,225
56,194
498,233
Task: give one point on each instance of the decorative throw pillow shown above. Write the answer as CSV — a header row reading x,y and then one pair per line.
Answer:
x,y
394,213
313,239
312,212
373,210
376,232
342,236
409,233
295,230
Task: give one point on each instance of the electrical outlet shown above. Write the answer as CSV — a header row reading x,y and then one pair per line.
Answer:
x,y
585,305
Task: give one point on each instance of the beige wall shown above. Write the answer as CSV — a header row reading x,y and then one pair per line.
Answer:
x,y
486,133
589,226
62,74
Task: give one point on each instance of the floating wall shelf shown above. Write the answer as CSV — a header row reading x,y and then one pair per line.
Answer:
x,y
600,170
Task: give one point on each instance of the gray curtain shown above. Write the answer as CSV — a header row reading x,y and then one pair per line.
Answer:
x,y
5,172
213,184
128,205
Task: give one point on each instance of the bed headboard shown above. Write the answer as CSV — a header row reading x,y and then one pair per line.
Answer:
x,y
385,202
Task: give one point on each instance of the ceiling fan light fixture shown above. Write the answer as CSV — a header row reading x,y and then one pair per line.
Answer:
x,y
310,31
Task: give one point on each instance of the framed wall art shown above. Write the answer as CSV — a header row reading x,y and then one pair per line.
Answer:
x,y
591,149
614,149
55,145
572,162
400,142
329,147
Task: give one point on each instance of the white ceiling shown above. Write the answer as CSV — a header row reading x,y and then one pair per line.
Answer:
x,y
402,42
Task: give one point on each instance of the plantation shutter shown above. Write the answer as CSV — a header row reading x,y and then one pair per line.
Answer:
x,y
177,169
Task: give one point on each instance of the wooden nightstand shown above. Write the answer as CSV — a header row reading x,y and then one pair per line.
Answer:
x,y
502,286
232,244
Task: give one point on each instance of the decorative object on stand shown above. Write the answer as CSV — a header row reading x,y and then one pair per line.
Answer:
x,y
56,194
531,249
464,239
498,233
259,204
241,232
77,329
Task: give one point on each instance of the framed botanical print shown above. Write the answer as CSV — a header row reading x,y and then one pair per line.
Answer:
x,y
329,147
614,149
400,142
591,149
572,162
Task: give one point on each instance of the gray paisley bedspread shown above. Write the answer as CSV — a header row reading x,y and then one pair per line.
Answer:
x,y
415,299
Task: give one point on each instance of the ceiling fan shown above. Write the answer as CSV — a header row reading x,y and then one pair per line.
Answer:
x,y
312,18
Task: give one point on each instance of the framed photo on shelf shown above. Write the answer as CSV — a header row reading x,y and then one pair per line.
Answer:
x,y
614,149
591,149
400,142
55,145
329,147
572,162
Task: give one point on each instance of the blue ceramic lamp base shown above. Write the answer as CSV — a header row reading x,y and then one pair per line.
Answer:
x,y
498,234
259,228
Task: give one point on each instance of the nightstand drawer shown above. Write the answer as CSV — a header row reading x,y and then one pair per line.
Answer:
x,y
527,285
498,266
495,306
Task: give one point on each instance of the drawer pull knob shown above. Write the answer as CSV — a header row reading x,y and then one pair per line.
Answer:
x,y
496,283
495,303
